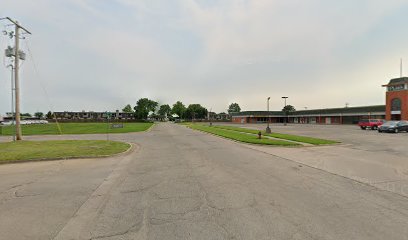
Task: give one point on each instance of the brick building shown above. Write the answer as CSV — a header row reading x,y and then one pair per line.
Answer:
x,y
395,108
397,99
349,115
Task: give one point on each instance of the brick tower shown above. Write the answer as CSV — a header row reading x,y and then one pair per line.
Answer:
x,y
397,99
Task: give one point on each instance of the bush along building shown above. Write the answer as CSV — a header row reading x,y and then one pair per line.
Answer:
x,y
395,108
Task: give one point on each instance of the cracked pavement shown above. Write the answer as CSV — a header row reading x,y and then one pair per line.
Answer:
x,y
181,184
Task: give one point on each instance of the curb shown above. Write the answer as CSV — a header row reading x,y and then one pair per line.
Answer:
x,y
254,144
304,144
132,148
71,134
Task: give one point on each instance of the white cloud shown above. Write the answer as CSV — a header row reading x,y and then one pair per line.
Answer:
x,y
99,54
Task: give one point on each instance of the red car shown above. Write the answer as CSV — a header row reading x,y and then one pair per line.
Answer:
x,y
370,123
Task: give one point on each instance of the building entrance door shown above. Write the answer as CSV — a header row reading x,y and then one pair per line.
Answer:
x,y
396,117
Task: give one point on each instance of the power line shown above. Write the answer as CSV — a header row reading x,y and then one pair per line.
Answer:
x,y
50,105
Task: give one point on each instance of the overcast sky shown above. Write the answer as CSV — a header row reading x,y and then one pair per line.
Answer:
x,y
103,54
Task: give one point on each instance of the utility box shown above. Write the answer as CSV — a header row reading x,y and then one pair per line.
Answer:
x,y
21,55
9,52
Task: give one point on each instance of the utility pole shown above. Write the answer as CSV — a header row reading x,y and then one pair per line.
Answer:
x,y
285,111
17,56
16,81
209,116
268,129
12,101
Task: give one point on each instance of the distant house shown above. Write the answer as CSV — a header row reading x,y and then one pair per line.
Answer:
x,y
157,117
218,116
223,116
91,115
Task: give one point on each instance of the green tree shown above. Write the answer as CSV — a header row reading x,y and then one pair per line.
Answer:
x,y
49,115
143,107
234,107
164,110
288,109
179,109
25,115
196,111
38,114
127,109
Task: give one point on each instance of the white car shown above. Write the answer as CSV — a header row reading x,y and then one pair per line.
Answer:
x,y
9,123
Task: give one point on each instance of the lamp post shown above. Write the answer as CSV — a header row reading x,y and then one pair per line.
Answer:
x,y
285,119
268,129
209,116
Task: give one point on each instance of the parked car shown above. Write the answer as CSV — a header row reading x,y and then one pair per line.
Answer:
x,y
394,126
7,123
370,123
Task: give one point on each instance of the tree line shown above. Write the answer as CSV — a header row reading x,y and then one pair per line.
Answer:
x,y
145,106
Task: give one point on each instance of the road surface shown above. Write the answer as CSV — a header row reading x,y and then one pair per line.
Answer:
x,y
177,183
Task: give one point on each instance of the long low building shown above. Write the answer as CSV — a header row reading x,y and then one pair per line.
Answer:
x,y
348,115
396,108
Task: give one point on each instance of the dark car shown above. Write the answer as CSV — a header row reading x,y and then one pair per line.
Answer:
x,y
394,126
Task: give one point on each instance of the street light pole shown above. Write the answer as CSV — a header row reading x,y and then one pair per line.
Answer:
x,y
268,129
285,112
209,116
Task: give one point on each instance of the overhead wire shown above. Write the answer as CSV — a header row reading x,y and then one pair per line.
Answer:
x,y
50,105
4,45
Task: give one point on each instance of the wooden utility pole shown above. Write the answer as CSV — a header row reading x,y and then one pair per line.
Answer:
x,y
16,80
17,56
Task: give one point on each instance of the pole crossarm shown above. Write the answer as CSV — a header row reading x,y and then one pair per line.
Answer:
x,y
17,24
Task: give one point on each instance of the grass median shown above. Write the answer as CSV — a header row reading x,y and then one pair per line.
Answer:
x,y
242,137
42,150
76,128
302,139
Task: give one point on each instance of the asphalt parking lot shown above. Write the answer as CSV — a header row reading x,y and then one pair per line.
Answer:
x,y
377,159
352,135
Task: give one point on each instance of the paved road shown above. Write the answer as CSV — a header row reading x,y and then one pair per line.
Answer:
x,y
183,184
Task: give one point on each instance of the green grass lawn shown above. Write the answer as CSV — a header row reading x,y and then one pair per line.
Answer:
x,y
242,137
303,139
38,150
76,128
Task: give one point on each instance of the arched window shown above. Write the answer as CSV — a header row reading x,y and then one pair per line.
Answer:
x,y
396,104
